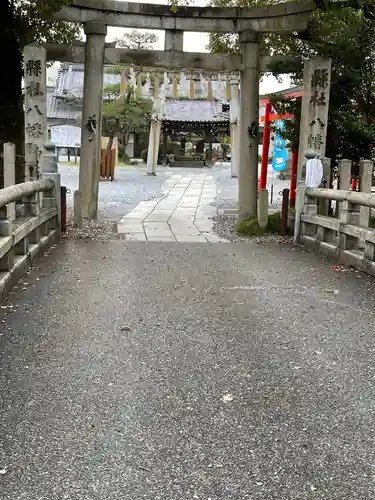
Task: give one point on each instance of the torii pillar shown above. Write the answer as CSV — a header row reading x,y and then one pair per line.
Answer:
x,y
249,124
86,199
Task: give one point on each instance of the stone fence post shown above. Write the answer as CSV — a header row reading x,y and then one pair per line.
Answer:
x,y
50,171
8,213
344,173
323,205
365,183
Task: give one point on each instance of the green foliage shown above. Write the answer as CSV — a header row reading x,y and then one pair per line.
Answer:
x,y
125,114
286,105
250,227
111,92
225,144
33,22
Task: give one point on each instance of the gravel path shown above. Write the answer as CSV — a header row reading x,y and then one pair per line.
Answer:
x,y
224,226
100,230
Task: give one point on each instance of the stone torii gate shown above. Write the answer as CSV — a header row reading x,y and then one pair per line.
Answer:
x,y
249,23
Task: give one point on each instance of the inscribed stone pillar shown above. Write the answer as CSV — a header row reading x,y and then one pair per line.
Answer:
x,y
35,107
365,184
91,128
234,128
314,111
249,124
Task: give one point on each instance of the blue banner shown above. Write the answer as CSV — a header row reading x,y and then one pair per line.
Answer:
x,y
280,152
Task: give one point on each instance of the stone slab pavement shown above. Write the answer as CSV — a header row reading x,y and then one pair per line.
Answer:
x,y
173,371
184,212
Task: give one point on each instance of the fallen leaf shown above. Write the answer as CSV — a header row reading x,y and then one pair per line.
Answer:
x,y
2,472
227,398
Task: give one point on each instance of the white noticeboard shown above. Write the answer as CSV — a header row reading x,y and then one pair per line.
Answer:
x,y
66,136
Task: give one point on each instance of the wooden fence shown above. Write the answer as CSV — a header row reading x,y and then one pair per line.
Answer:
x,y
107,164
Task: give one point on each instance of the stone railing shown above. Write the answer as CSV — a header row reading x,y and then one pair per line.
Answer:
x,y
347,237
29,220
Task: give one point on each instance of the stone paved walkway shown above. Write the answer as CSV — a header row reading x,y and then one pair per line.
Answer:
x,y
184,213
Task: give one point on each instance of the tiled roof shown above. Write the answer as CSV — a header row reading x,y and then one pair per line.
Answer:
x,y
59,109
174,110
70,79
194,111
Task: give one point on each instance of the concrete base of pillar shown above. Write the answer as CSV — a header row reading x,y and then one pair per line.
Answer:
x,y
263,208
151,173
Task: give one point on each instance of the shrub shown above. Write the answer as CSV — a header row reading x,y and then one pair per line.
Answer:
x,y
173,148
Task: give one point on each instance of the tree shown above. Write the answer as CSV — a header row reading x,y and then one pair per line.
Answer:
x,y
137,40
25,21
225,145
346,34
124,114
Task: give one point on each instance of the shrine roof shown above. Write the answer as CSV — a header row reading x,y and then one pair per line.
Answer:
x,y
190,110
185,110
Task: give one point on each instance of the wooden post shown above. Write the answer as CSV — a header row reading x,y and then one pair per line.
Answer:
x,y
284,213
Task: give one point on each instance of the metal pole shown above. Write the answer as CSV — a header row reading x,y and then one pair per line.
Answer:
x,y
63,191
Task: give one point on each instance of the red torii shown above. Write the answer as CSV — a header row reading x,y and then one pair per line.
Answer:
x,y
266,120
